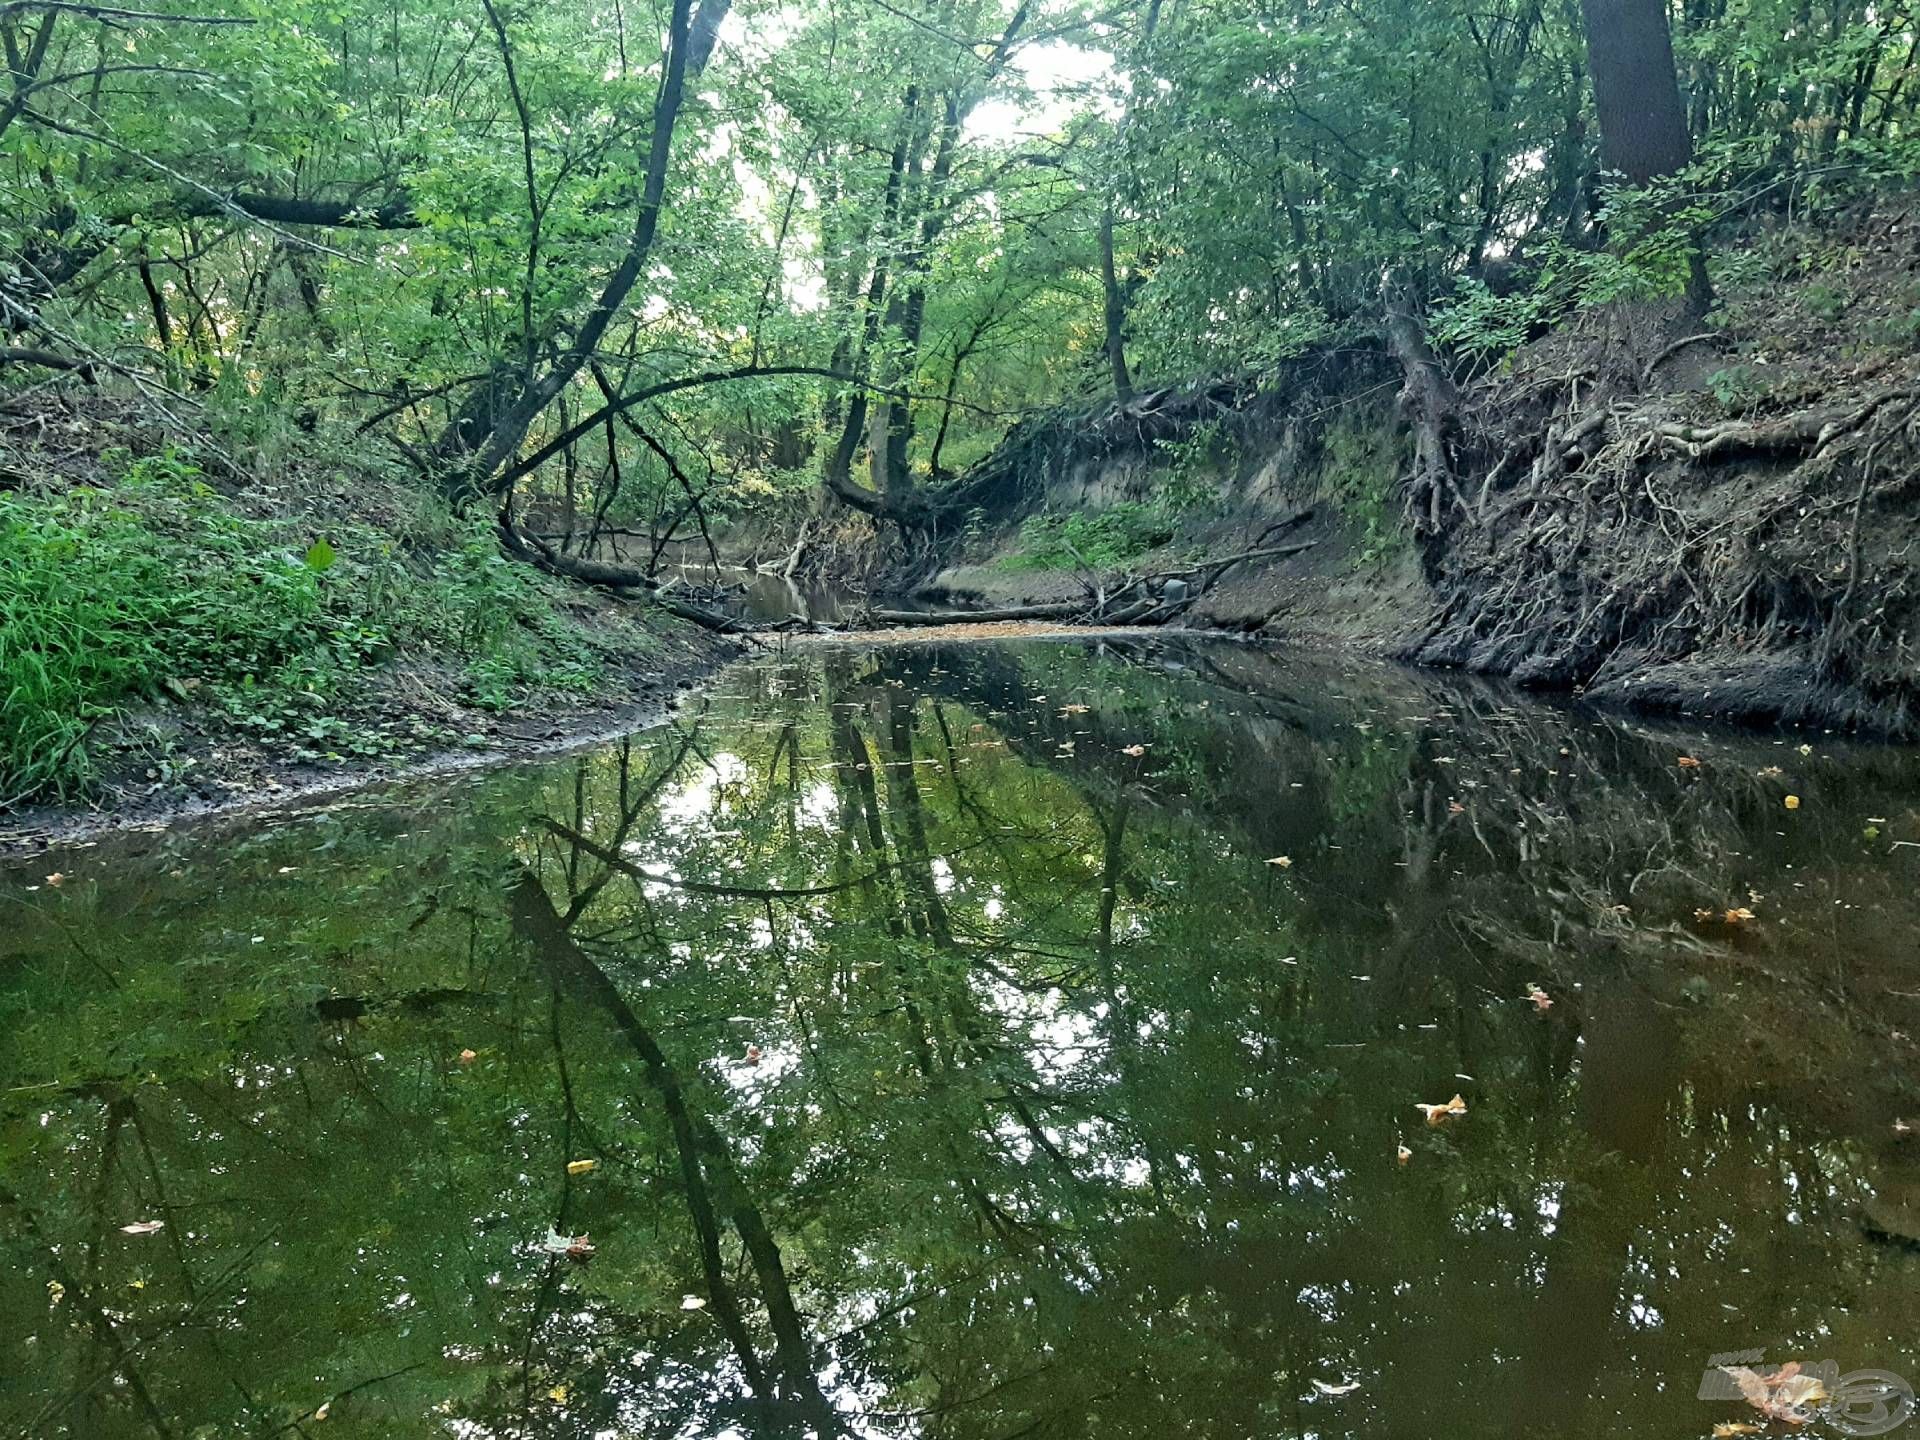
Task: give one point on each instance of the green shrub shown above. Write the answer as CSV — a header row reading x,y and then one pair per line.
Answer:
x,y
1099,539
159,587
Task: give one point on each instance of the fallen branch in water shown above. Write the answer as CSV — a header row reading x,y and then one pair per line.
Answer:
x,y
532,548
1063,610
1151,599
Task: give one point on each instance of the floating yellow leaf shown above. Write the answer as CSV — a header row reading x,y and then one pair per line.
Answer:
x,y
1438,1113
558,1394
1793,802
1727,1428
582,1167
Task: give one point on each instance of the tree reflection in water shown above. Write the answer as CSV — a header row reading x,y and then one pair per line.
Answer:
x,y
955,1064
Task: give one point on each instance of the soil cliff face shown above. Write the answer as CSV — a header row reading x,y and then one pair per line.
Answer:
x,y
1719,519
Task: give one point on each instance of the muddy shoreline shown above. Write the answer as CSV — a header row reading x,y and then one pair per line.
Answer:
x,y
292,788
280,785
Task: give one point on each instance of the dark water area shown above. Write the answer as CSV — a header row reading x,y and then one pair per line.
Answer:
x,y
983,1040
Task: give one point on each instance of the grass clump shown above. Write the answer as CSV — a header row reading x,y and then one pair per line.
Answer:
x,y
159,587
1098,540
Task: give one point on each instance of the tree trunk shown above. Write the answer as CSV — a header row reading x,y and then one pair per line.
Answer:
x,y
1636,90
1116,311
484,437
1643,124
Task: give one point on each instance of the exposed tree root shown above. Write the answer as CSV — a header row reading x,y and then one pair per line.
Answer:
x,y
1757,568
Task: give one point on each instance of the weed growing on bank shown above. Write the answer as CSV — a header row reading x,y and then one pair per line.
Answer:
x,y
159,588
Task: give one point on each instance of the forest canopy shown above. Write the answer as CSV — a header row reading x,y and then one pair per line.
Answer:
x,y
629,259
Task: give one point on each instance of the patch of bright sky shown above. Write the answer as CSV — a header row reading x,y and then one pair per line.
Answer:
x,y
1052,80
1060,77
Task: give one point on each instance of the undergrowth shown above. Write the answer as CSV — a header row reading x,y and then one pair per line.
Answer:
x,y
159,589
1097,540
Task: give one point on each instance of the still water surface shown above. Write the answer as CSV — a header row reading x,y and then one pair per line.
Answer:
x,y
988,1040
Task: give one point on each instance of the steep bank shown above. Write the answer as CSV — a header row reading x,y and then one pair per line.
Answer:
x,y
183,633
1716,519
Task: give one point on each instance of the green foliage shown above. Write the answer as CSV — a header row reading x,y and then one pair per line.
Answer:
x,y
1198,463
1091,539
159,589
1360,468
1737,387
1826,300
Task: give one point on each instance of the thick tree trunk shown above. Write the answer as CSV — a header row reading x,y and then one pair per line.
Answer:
x,y
1636,90
1643,124
1428,402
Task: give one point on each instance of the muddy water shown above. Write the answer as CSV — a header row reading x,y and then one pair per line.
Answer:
x,y
983,1041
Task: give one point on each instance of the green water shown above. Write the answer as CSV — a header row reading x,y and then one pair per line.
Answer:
x,y
950,1071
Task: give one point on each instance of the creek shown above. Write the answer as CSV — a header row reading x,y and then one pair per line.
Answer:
x,y
984,1040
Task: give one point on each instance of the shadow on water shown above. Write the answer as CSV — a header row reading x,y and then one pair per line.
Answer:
x,y
986,1041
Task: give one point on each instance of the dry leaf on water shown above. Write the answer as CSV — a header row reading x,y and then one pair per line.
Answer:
x,y
1402,1154
1436,1114
577,1248
467,1057
1134,750
1793,802
1783,1394
1281,862
1728,1428
143,1227
582,1167
692,1302
1687,762
1733,915
1542,1001
1344,1389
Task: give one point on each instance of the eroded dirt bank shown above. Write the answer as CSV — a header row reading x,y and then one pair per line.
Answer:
x,y
1715,519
